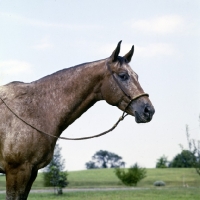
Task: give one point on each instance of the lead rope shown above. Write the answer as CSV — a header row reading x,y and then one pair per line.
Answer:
x,y
65,138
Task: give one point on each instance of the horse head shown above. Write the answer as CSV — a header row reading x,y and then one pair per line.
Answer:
x,y
121,87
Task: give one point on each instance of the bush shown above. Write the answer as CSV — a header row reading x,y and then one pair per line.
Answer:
x,y
132,176
53,173
159,183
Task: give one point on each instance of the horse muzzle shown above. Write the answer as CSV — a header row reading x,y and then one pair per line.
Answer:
x,y
144,114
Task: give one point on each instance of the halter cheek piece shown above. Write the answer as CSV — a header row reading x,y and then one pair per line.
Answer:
x,y
85,138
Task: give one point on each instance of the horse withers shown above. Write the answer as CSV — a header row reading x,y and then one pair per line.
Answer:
x,y
51,104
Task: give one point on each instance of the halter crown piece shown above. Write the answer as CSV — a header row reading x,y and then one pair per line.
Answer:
x,y
124,114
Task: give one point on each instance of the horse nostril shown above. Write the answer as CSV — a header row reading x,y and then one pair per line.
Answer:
x,y
147,111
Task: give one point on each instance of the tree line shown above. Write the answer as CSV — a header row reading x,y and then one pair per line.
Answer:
x,y
185,159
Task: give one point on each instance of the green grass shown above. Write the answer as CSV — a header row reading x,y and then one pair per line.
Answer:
x,y
103,178
173,177
144,194
94,178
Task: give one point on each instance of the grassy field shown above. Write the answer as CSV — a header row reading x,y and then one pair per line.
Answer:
x,y
105,178
173,177
143,194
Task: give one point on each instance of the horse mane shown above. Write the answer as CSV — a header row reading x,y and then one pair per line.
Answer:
x,y
63,71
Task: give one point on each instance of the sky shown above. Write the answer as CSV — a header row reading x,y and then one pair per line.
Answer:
x,y
40,37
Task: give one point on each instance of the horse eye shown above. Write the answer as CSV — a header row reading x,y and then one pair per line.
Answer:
x,y
123,76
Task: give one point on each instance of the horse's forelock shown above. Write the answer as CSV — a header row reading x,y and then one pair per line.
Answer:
x,y
121,60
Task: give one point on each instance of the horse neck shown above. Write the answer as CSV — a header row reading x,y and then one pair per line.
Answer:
x,y
71,92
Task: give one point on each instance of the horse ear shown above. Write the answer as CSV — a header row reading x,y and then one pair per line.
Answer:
x,y
129,55
116,52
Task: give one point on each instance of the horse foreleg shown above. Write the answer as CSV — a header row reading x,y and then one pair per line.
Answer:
x,y
31,180
17,179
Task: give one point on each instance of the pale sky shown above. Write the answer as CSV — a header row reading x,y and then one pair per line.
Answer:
x,y
40,37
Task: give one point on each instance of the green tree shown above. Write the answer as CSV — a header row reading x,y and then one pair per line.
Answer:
x,y
91,165
185,159
53,173
62,181
162,162
53,176
105,159
131,177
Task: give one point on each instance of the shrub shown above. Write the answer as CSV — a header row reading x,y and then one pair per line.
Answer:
x,y
132,176
53,173
159,183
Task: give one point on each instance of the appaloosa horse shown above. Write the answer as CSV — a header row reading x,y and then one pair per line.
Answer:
x,y
51,104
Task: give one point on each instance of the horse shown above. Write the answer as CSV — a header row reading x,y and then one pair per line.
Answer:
x,y
51,104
